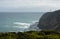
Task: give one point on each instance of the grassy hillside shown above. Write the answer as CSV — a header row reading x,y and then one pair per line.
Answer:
x,y
31,35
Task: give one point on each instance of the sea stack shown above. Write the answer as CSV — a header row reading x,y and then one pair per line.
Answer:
x,y
50,21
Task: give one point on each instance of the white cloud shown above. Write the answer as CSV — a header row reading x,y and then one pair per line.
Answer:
x,y
28,4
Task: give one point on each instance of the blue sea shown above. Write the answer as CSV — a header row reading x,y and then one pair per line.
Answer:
x,y
17,21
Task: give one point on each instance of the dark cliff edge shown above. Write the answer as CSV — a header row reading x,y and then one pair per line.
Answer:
x,y
50,21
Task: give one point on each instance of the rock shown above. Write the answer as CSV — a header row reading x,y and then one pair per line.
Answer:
x,y
33,27
50,21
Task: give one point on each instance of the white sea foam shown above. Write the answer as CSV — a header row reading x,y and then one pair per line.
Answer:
x,y
21,25
33,22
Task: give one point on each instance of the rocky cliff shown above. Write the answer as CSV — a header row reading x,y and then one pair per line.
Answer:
x,y
50,21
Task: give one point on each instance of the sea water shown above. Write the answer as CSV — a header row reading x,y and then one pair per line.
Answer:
x,y
17,21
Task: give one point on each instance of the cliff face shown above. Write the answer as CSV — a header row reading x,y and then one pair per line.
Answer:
x,y
50,21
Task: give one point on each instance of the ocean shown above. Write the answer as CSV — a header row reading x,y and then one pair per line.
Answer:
x,y
17,21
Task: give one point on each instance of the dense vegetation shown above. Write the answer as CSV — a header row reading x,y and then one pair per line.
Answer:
x,y
30,35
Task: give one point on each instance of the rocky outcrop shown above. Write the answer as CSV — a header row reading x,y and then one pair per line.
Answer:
x,y
50,21
33,27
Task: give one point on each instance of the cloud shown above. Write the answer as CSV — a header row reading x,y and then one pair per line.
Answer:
x,y
28,4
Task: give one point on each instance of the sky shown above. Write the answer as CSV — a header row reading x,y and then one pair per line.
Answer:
x,y
29,5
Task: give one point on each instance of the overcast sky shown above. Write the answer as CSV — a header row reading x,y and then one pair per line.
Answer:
x,y
29,5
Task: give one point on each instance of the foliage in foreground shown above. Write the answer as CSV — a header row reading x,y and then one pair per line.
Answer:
x,y
31,35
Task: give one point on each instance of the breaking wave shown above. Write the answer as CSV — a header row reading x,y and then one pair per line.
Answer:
x,y
21,25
